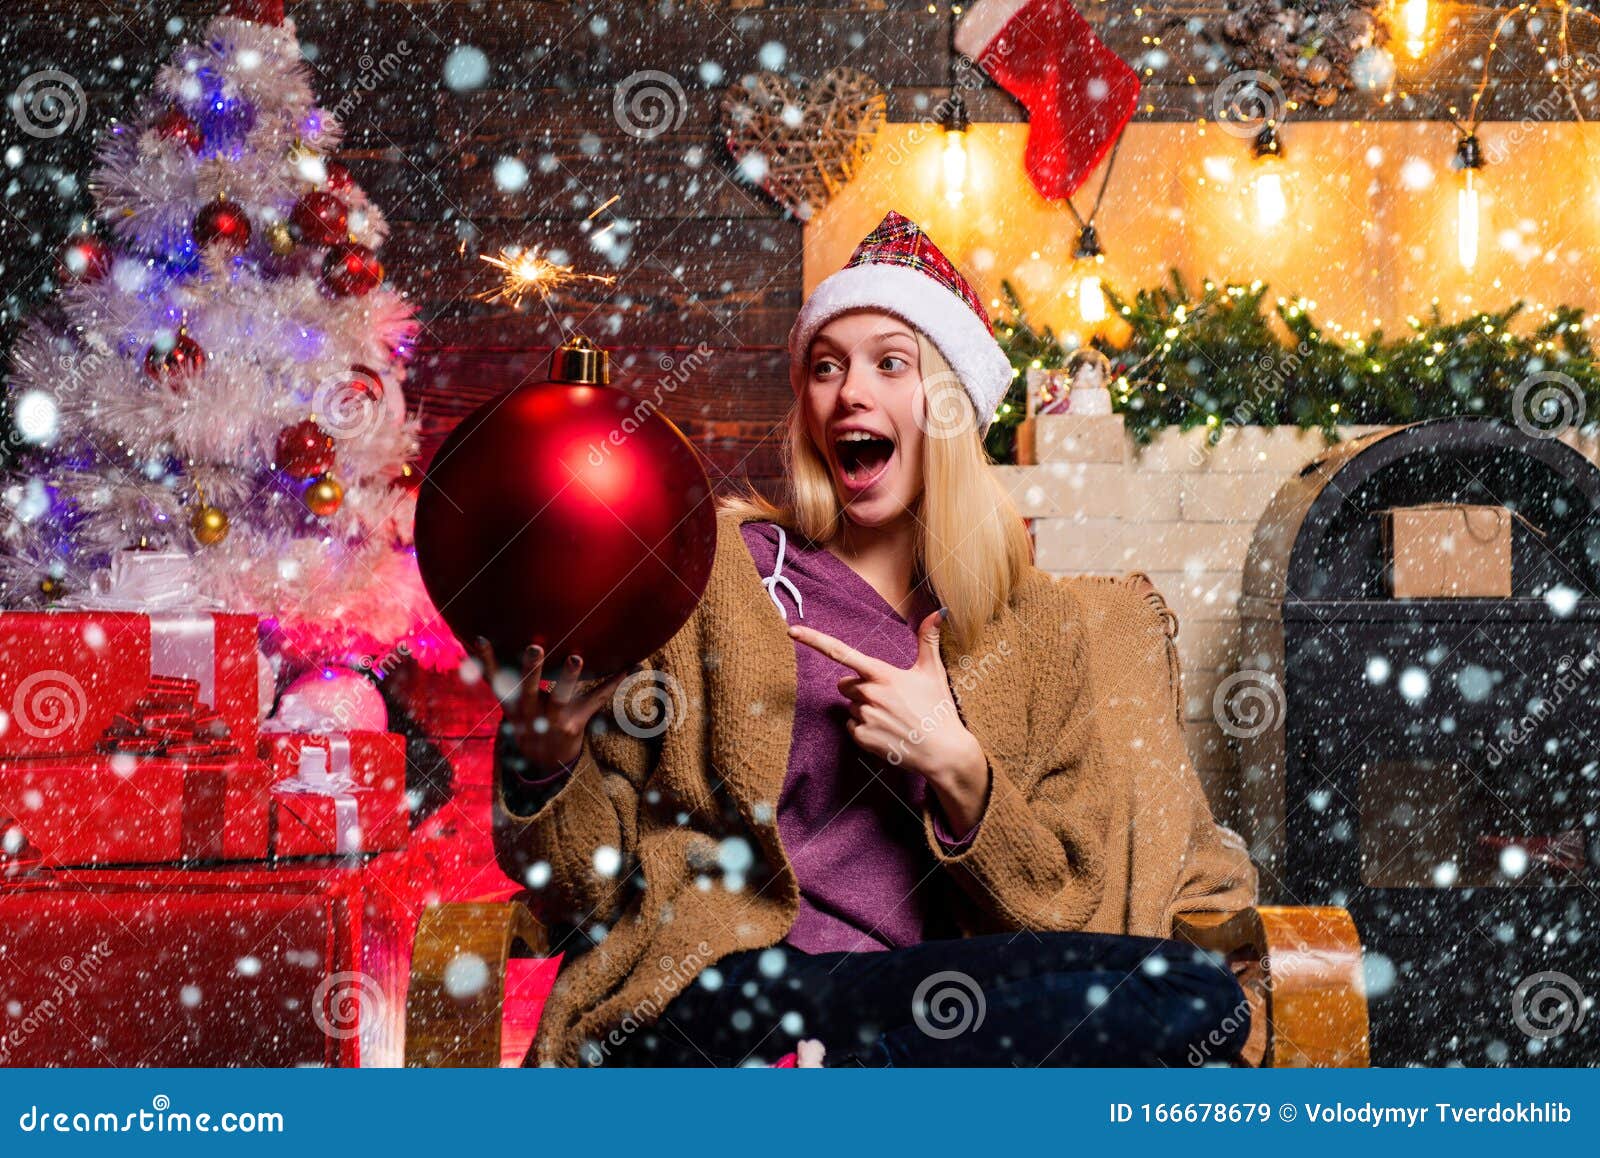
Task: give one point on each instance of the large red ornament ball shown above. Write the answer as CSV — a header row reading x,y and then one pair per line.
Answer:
x,y
351,270
554,515
222,222
338,174
171,364
84,258
304,450
175,124
321,218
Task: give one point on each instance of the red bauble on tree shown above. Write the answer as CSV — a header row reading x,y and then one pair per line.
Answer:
x,y
339,178
321,218
176,125
222,222
351,270
84,258
552,515
409,480
173,363
304,450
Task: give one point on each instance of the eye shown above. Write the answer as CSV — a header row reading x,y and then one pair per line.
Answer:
x,y
823,366
893,363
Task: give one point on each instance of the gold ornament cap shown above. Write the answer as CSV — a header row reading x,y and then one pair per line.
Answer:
x,y
581,362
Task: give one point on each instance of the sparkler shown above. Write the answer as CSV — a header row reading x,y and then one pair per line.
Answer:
x,y
528,273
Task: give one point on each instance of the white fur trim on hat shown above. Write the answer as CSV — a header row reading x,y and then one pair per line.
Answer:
x,y
919,301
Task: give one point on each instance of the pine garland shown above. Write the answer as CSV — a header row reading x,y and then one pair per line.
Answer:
x,y
1228,357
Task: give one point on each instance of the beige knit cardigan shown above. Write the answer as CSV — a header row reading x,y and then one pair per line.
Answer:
x,y
664,848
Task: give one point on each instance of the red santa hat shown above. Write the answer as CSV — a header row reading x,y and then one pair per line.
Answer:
x,y
898,270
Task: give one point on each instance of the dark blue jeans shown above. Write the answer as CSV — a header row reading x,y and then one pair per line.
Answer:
x,y
1011,999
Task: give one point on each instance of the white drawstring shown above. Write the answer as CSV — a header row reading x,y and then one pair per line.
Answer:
x,y
772,581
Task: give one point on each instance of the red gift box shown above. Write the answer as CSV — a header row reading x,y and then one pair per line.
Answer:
x,y
66,675
355,820
368,759
126,809
337,793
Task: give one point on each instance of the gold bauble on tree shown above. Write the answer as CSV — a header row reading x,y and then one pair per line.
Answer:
x,y
323,496
209,525
280,238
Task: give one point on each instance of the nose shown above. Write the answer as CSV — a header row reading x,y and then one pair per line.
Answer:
x,y
854,391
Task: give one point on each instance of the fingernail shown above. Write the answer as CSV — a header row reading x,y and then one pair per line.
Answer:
x,y
944,613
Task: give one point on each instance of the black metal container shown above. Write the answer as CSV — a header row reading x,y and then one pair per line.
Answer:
x,y
1435,766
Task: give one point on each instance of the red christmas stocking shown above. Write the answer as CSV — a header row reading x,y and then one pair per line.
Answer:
x,y
1078,93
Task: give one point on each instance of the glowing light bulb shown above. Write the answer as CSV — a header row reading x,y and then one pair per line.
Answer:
x,y
1090,292
1091,299
1467,222
1469,159
1271,204
955,149
1414,19
955,166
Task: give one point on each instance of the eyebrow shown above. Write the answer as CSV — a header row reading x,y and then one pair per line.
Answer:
x,y
881,335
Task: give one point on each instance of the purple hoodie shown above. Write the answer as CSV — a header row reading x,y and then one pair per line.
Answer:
x,y
850,822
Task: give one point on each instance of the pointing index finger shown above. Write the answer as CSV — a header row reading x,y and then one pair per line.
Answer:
x,y
837,650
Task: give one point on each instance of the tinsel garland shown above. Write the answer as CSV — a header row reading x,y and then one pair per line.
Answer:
x,y
1232,356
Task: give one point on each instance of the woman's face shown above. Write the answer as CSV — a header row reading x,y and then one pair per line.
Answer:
x,y
861,402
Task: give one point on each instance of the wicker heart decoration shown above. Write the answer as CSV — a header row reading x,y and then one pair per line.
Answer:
x,y
802,145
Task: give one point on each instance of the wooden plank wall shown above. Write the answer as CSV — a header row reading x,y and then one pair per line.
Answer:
x,y
708,271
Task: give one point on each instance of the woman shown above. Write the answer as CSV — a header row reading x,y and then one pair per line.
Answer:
x,y
873,812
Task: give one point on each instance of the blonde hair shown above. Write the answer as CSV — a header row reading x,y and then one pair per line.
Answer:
x,y
971,543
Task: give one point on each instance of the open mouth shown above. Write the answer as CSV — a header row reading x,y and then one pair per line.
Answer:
x,y
863,459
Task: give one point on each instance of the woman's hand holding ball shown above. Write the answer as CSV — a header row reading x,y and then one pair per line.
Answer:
x,y
546,726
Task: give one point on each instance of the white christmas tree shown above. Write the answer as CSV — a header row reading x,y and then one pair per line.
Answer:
x,y
220,374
